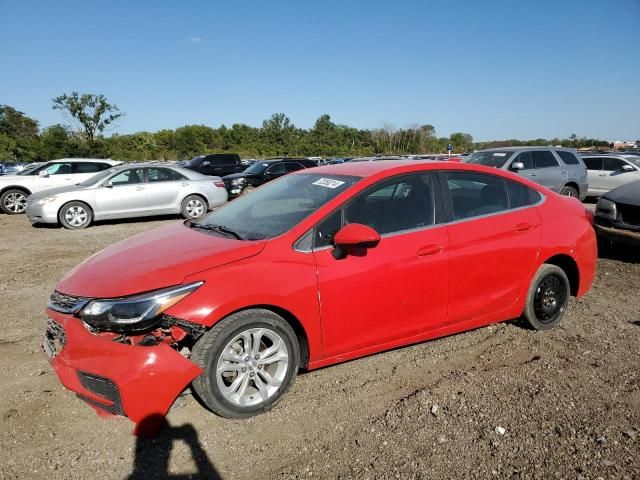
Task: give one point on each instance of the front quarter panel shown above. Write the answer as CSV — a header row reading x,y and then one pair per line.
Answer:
x,y
279,278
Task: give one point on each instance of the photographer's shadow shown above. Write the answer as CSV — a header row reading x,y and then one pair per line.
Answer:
x,y
152,454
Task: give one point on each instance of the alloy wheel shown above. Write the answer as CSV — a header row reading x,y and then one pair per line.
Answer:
x,y
15,202
252,367
194,208
76,216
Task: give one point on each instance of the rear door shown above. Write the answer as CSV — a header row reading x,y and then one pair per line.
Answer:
x,y
125,197
494,239
549,171
395,290
84,170
164,189
594,172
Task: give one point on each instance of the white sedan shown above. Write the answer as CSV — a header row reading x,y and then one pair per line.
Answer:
x,y
14,189
128,191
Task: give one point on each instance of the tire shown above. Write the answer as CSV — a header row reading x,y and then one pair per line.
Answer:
x,y
251,387
247,190
569,192
547,298
14,201
193,206
75,215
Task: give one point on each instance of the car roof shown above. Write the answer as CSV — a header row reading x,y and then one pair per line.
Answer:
x,y
101,160
524,147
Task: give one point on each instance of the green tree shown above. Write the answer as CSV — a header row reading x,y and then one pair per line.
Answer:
x,y
20,134
54,142
91,114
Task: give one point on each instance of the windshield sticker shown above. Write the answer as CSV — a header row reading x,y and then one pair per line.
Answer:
x,y
499,154
328,183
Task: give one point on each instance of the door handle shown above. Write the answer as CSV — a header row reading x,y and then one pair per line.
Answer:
x,y
533,174
185,184
139,188
602,174
523,227
563,171
429,250
68,178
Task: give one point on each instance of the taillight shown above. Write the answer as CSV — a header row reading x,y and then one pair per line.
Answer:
x,y
590,215
219,184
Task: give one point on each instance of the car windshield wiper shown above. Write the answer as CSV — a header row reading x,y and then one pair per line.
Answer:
x,y
217,228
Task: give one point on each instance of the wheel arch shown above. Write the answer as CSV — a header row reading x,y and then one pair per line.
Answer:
x,y
573,185
16,187
77,201
570,268
293,322
195,194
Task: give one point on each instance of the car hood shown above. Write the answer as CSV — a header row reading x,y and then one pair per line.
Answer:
x,y
628,193
58,191
159,258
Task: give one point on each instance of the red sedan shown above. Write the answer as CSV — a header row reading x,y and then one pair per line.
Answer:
x,y
316,268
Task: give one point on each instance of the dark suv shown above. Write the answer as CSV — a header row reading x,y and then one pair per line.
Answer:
x,y
262,172
218,164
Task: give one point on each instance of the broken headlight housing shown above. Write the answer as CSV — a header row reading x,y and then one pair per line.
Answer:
x,y
134,313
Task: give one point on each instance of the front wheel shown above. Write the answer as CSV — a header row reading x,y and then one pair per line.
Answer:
x,y
547,298
75,215
250,359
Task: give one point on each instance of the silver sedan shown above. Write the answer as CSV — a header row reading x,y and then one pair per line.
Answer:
x,y
127,191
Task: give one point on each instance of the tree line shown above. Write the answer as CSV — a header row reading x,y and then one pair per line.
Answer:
x,y
88,116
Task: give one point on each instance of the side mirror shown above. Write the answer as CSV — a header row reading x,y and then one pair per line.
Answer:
x,y
354,238
206,163
108,184
517,166
43,173
627,168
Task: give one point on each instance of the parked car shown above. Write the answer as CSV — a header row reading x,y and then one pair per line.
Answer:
x,y
12,168
218,164
128,191
618,215
315,268
606,172
558,169
263,172
14,189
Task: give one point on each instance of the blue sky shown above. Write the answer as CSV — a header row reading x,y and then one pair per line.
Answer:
x,y
495,69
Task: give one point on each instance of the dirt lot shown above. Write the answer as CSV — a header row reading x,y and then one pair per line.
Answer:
x,y
500,401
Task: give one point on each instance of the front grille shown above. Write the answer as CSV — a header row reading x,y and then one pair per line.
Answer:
x,y
103,387
54,339
63,303
629,213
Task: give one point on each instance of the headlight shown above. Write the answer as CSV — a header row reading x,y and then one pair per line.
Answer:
x,y
44,200
134,313
238,181
606,209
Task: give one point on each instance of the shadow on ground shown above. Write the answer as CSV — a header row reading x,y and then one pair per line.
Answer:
x,y
152,455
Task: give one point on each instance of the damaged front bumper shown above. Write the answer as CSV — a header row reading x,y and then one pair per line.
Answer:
x,y
139,382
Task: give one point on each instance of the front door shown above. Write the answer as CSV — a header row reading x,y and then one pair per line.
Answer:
x,y
124,195
395,290
613,175
57,175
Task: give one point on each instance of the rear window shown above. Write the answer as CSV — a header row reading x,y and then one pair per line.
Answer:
x,y
593,163
544,159
568,157
521,195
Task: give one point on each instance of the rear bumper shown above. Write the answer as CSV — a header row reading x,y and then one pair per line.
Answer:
x,y
140,383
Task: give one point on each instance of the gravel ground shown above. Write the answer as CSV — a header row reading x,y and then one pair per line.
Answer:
x,y
500,401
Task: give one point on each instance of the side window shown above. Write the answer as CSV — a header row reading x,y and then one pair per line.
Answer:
x,y
394,206
218,161
86,167
103,166
526,159
544,159
128,177
593,163
521,195
163,175
613,164
276,169
325,231
476,194
59,169
568,157
293,166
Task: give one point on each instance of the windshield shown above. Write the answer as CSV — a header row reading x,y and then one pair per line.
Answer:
x,y
98,177
490,159
257,168
633,159
278,206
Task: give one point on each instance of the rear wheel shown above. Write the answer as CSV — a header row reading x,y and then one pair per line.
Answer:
x,y
14,201
569,191
250,359
193,206
75,215
547,298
